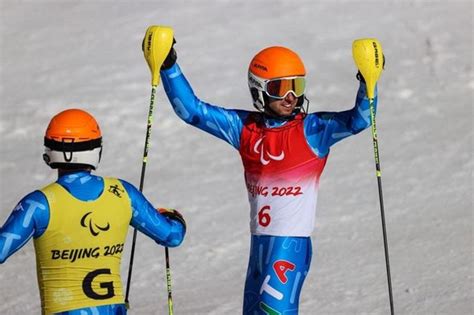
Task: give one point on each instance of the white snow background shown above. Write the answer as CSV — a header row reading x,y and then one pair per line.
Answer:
x,y
61,54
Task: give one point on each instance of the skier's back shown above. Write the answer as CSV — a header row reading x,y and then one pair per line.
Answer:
x,y
79,223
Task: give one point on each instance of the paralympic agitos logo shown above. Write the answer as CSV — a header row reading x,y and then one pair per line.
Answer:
x,y
95,229
259,149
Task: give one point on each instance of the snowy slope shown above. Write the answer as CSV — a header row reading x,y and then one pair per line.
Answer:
x,y
87,54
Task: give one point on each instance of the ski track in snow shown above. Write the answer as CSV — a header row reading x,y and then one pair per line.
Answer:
x,y
87,54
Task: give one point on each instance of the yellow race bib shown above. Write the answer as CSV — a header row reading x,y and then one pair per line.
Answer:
x,y
78,256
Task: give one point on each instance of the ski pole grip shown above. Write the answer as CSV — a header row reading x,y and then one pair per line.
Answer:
x,y
368,57
156,46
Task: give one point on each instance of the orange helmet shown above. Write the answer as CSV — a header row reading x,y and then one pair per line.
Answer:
x,y
273,63
72,140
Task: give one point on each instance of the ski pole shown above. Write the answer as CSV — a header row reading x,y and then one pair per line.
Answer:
x,y
368,56
156,45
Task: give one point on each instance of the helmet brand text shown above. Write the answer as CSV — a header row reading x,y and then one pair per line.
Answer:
x,y
259,66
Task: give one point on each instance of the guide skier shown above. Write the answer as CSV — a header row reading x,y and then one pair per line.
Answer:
x,y
79,223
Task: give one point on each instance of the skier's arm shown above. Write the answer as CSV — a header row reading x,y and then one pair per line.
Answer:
x,y
165,230
29,219
223,123
323,129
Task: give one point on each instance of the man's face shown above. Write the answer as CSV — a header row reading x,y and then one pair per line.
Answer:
x,y
284,107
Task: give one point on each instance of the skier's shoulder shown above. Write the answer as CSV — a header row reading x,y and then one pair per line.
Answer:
x,y
129,187
112,181
32,210
133,192
37,197
231,114
317,115
315,120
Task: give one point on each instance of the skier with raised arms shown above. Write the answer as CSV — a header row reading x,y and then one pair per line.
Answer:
x,y
79,223
284,150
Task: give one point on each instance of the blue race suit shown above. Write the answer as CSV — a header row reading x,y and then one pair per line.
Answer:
x,y
31,216
280,259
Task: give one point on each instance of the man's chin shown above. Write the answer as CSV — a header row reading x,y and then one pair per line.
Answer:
x,y
281,112
286,112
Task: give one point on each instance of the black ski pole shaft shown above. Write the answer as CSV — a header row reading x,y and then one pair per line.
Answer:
x,y
382,211
142,181
168,281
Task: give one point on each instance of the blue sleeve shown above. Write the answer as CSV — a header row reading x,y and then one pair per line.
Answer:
x,y
323,129
225,124
148,220
29,219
